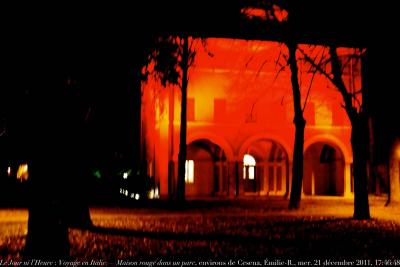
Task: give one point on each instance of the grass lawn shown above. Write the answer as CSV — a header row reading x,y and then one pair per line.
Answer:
x,y
252,229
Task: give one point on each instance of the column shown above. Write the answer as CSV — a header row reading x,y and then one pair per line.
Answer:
x,y
347,181
231,186
289,178
312,183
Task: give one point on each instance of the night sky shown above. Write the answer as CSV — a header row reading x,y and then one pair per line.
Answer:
x,y
93,47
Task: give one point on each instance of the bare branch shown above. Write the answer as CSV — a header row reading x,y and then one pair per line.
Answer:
x,y
356,99
279,71
279,57
338,81
335,79
309,89
311,82
315,65
260,68
248,61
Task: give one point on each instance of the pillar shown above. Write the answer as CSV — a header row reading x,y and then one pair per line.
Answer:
x,y
231,186
347,181
265,177
312,184
289,179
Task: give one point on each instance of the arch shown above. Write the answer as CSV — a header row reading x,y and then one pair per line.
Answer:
x,y
209,169
330,139
324,169
272,170
218,140
269,137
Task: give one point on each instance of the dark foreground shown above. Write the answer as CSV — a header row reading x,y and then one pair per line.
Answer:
x,y
245,230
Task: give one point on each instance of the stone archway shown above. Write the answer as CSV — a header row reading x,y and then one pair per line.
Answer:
x,y
206,169
324,167
270,169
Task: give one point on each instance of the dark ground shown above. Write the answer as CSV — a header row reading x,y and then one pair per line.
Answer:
x,y
253,229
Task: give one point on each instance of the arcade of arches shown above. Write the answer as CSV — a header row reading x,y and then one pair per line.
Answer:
x,y
264,170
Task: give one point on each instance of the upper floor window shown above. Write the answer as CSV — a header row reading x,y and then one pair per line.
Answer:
x,y
323,114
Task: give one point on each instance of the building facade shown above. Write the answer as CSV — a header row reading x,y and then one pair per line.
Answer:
x,y
240,131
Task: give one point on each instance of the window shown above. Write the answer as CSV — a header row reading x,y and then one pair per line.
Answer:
x,y
190,109
323,115
249,164
189,172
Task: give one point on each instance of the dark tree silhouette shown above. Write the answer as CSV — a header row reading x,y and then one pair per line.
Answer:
x,y
300,123
184,64
173,57
358,114
276,14
57,140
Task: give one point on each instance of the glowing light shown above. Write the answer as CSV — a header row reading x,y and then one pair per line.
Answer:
x,y
248,167
156,193
126,192
125,175
153,193
22,173
249,160
137,196
97,174
9,170
189,171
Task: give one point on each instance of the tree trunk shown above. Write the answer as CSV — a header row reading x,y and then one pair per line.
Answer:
x,y
299,122
359,144
58,160
182,136
359,135
47,236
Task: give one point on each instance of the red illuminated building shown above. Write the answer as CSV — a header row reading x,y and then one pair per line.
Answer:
x,y
240,133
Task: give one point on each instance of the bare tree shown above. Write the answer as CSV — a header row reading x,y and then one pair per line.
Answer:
x,y
300,123
358,115
276,13
172,57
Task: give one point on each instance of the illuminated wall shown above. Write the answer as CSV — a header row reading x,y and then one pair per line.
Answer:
x,y
240,102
